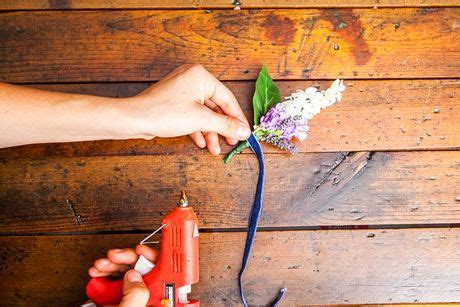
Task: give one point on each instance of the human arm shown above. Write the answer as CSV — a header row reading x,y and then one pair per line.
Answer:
x,y
188,101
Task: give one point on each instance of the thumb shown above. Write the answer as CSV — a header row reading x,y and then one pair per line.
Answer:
x,y
135,292
224,125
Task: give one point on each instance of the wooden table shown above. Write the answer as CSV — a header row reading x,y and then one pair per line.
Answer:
x,y
367,212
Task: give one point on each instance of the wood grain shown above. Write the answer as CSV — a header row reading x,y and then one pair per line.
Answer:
x,y
175,4
306,190
318,267
89,46
373,115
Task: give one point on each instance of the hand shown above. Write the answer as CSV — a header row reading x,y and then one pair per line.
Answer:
x,y
190,101
119,261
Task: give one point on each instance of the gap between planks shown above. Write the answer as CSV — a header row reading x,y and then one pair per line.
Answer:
x,y
215,4
238,230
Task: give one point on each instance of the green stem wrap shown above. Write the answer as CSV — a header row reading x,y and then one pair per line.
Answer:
x,y
239,148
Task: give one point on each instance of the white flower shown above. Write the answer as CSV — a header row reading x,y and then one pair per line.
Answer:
x,y
309,102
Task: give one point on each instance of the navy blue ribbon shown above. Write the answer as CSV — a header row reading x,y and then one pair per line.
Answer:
x,y
254,218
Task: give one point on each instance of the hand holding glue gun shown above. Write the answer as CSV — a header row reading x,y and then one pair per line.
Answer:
x,y
121,261
167,282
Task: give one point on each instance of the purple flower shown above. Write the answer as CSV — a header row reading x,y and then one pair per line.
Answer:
x,y
273,118
282,143
292,127
278,127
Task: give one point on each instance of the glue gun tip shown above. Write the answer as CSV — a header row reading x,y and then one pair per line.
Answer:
x,y
183,202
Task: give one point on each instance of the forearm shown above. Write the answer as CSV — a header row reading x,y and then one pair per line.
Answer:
x,y
189,101
30,116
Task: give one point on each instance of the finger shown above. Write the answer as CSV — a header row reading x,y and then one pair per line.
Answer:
x,y
149,253
210,104
122,256
93,272
212,142
198,139
105,265
225,99
224,125
135,292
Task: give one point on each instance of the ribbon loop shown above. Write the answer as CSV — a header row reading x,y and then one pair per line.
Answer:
x,y
254,218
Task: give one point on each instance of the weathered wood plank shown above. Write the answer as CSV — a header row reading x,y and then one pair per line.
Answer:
x,y
175,4
318,267
306,190
373,115
88,46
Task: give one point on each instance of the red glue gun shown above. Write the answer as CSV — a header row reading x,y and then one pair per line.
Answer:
x,y
170,279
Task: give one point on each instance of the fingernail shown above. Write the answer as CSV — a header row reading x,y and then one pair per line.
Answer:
x,y
115,250
104,261
133,276
232,141
243,132
92,270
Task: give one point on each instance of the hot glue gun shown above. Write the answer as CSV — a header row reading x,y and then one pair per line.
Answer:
x,y
169,280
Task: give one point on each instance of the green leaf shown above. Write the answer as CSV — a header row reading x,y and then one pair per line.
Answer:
x,y
265,96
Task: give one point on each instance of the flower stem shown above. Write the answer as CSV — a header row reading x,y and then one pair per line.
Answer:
x,y
239,148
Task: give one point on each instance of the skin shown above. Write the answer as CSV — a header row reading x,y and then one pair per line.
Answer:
x,y
188,101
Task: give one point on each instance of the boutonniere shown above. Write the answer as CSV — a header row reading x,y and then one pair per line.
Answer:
x,y
278,121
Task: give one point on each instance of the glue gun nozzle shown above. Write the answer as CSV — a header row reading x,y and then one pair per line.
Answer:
x,y
183,202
